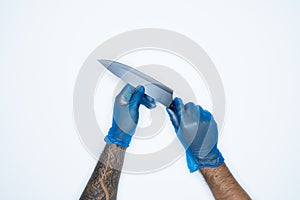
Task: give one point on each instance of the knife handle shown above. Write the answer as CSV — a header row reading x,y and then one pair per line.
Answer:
x,y
171,106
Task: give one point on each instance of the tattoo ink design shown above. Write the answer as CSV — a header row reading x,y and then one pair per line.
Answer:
x,y
103,184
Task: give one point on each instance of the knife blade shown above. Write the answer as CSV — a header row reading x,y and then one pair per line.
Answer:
x,y
153,88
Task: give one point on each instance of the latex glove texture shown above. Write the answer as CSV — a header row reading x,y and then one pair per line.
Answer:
x,y
126,114
198,132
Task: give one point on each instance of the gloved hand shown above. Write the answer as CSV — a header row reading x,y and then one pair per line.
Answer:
x,y
198,133
126,114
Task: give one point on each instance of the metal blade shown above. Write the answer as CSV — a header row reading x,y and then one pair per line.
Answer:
x,y
153,88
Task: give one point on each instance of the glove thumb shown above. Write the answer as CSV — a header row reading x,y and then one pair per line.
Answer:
x,y
137,97
173,118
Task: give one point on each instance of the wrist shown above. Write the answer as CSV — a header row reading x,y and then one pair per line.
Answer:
x,y
112,145
211,170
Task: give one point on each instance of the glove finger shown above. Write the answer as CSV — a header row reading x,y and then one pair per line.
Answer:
x,y
178,107
148,101
206,115
137,97
173,118
189,106
126,93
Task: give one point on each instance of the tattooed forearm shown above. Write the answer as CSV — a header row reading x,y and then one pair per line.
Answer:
x,y
222,184
103,184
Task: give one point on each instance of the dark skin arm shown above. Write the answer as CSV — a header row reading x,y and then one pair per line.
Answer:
x,y
103,184
222,184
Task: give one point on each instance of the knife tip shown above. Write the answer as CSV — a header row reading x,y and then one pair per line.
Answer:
x,y
101,60
104,62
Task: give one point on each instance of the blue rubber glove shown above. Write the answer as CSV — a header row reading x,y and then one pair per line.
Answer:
x,y
198,133
126,114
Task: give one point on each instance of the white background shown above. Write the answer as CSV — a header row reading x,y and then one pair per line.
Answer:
x,y
254,45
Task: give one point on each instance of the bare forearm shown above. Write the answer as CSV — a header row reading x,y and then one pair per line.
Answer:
x,y
222,184
103,184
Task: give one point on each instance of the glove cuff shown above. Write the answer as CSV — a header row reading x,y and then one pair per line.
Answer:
x,y
118,137
212,160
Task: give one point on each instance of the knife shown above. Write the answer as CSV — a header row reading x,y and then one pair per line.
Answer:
x,y
153,88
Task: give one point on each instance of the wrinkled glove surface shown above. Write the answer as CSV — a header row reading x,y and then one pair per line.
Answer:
x,y
198,132
126,114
